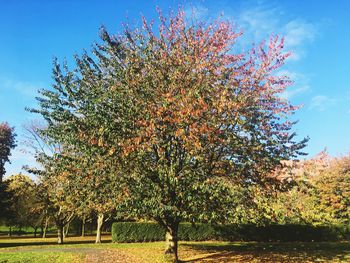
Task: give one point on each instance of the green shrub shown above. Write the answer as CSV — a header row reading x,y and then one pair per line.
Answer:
x,y
189,232
137,232
146,232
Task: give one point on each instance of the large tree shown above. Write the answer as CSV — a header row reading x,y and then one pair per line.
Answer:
x,y
188,119
7,142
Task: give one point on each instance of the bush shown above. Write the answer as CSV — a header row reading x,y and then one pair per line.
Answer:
x,y
146,232
137,232
189,232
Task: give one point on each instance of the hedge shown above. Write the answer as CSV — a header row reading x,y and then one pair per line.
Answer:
x,y
148,231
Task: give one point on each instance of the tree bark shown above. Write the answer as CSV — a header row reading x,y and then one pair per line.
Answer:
x,y
60,234
45,227
171,242
66,230
99,225
83,227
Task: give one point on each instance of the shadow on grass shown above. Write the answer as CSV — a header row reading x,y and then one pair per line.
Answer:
x,y
269,252
51,240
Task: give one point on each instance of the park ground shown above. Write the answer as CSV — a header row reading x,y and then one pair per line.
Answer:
x,y
78,249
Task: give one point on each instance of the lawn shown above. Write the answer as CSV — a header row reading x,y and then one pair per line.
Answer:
x,y
82,250
24,231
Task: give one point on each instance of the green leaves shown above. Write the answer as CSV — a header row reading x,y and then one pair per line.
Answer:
x,y
7,143
171,124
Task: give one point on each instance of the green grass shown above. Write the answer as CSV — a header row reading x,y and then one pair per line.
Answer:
x,y
79,249
41,257
4,230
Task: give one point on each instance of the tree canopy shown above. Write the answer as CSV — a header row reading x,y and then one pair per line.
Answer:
x,y
185,120
7,143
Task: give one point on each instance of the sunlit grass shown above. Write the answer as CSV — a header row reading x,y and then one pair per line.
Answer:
x,y
76,248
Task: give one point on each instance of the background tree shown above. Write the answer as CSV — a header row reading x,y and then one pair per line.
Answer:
x,y
7,142
87,178
332,191
54,195
93,187
317,192
7,214
60,206
23,202
83,126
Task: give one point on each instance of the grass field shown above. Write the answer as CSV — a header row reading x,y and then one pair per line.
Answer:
x,y
28,231
77,249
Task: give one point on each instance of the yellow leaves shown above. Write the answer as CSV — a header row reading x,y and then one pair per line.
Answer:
x,y
100,142
111,151
179,132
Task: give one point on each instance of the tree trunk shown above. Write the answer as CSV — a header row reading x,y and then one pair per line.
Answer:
x,y
171,242
35,228
66,230
45,227
83,227
10,233
99,225
60,234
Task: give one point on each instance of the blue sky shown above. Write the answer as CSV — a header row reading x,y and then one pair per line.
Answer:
x,y
317,32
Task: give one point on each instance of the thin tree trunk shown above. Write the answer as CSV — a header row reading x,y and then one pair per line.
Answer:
x,y
60,234
45,227
10,233
83,226
66,230
171,242
35,228
99,225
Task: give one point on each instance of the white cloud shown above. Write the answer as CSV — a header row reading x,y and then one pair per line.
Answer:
x,y
321,102
197,11
297,33
258,23
300,86
295,91
24,88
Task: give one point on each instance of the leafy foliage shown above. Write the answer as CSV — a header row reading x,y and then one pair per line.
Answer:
x,y
185,122
150,231
7,142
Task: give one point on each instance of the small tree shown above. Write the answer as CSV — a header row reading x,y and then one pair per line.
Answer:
x,y
332,191
7,213
23,202
58,199
54,188
7,142
93,186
